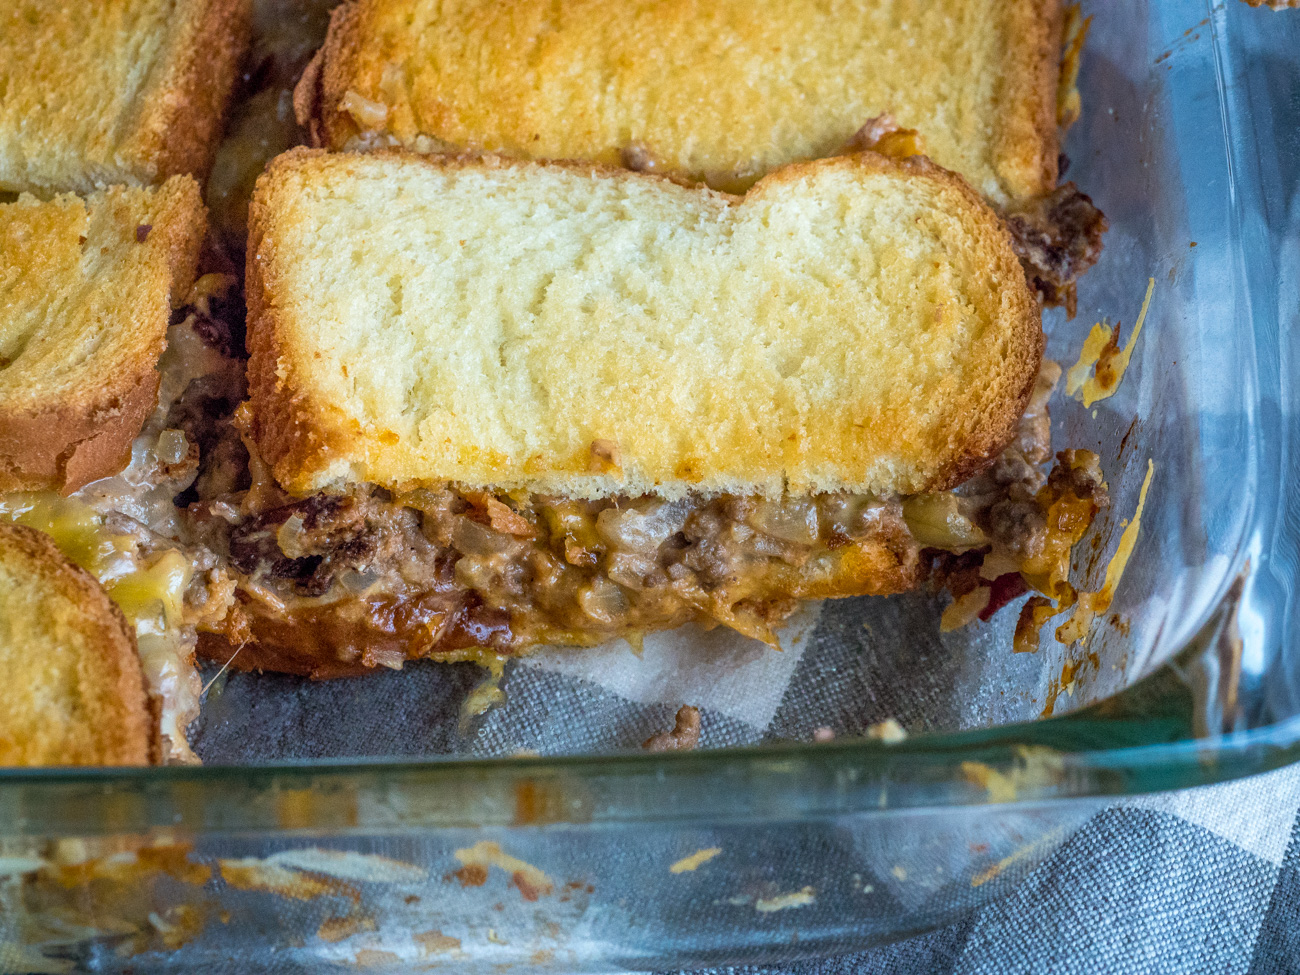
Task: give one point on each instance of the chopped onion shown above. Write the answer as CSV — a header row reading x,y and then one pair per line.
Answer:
x,y
173,447
472,538
642,529
937,521
791,520
366,113
602,601
477,572
629,569
291,538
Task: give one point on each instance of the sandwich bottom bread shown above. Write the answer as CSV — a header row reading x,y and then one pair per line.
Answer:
x,y
394,509
74,689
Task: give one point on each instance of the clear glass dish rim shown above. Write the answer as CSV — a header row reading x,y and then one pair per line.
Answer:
x,y
925,773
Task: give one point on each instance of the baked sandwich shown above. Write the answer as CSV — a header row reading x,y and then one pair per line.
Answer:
x,y
724,92
101,403
74,691
497,403
87,287
95,93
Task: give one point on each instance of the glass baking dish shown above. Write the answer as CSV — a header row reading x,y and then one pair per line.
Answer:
x,y
308,853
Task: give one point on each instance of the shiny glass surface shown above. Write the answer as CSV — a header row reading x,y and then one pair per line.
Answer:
x,y
1190,133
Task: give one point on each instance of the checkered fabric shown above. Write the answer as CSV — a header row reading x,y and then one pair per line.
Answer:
x,y
1206,880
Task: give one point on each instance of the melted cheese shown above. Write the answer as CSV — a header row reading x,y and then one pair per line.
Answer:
x,y
1102,357
1073,34
1092,604
696,860
965,609
488,693
525,876
149,591
75,527
155,592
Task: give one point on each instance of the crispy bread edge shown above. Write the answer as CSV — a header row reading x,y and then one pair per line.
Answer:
x,y
1027,145
299,436
306,97
332,127
1028,342
180,128
125,729
70,444
1028,313
287,425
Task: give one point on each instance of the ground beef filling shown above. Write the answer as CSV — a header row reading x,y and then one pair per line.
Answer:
x,y
340,583
1057,237
380,578
335,584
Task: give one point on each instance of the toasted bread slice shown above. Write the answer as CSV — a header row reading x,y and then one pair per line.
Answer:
x,y
94,93
722,91
86,290
852,324
74,690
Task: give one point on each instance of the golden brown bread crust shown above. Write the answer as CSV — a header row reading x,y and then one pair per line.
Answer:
x,y
286,423
95,94
1027,354
74,688
324,83
1030,140
71,444
301,432
583,79
180,133
64,438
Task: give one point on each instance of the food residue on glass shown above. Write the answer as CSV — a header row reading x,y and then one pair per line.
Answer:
x,y
103,889
1043,843
889,731
1086,605
1071,672
695,860
435,942
1092,604
1036,767
683,737
254,873
782,902
334,929
1073,33
488,693
965,609
477,859
1102,356
373,958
